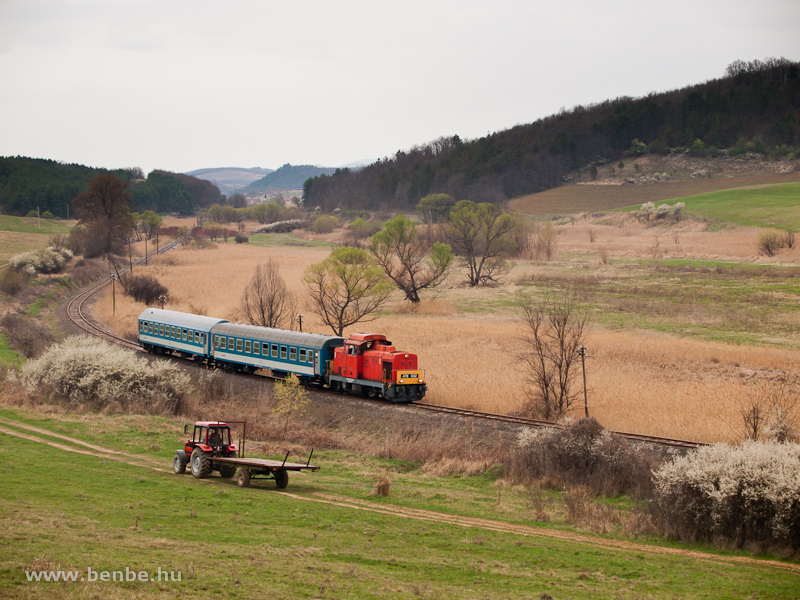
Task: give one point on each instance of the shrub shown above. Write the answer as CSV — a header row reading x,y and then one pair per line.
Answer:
x,y
85,370
583,453
28,337
47,215
12,282
144,288
46,260
241,238
746,494
645,211
770,242
325,224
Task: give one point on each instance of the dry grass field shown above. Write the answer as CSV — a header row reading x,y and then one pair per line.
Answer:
x,y
639,380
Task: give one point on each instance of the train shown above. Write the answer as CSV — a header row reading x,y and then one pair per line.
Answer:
x,y
363,364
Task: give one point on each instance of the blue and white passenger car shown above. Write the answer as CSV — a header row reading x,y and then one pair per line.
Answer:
x,y
249,347
162,331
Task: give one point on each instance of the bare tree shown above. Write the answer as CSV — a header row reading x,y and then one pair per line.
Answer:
x,y
769,413
480,233
555,330
266,300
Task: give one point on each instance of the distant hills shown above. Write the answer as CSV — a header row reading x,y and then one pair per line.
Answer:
x,y
752,109
288,177
230,179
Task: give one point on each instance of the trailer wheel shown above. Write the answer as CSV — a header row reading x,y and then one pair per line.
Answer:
x,y
243,480
281,478
228,471
178,465
201,466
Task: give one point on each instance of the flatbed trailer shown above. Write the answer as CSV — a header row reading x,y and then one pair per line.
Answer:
x,y
211,449
251,467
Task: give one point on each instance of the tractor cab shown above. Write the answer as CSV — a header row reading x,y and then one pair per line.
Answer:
x,y
212,437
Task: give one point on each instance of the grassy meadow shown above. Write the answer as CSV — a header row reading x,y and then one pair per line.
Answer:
x,y
325,536
21,234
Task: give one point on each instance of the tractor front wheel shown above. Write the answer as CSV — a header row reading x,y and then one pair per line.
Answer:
x,y
281,478
178,465
201,466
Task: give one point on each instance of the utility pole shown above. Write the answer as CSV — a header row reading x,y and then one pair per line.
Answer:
x,y
145,251
582,353
113,293
299,320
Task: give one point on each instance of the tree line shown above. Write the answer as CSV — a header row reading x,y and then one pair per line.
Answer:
x,y
754,107
28,184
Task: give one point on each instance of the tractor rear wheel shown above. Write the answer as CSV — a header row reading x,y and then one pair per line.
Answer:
x,y
227,471
281,478
243,480
178,465
201,466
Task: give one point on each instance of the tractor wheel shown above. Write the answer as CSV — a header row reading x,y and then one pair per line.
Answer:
x,y
201,466
243,480
178,465
281,478
227,471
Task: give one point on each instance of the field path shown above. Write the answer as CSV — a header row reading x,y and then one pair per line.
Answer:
x,y
10,427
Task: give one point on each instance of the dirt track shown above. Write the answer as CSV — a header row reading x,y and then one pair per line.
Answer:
x,y
10,427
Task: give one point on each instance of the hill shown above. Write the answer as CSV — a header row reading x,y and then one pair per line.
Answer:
x,y
230,179
288,177
30,183
752,109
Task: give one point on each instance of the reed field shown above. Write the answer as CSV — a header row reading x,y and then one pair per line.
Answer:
x,y
653,367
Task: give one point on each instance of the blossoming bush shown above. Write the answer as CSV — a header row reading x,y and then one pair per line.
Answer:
x,y
46,260
583,453
85,370
745,494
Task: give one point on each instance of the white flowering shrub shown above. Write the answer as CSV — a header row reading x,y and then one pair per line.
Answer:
x,y
582,453
647,209
46,260
745,494
86,370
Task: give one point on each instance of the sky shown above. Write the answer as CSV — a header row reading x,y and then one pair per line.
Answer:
x,y
182,85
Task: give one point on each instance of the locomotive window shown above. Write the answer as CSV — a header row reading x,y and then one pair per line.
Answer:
x,y
302,355
293,354
161,330
216,341
256,347
247,346
222,343
283,352
191,336
150,326
238,345
274,351
172,329
185,336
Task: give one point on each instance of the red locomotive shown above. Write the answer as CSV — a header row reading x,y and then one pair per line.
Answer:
x,y
369,364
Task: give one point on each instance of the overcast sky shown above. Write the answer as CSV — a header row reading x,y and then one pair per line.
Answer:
x,y
181,85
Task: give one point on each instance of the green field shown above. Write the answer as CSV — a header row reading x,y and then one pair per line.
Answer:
x,y
325,536
762,206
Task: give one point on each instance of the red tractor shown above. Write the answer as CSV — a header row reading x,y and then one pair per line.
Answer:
x,y
210,449
210,440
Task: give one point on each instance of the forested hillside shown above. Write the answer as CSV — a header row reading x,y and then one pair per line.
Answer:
x,y
30,183
288,177
755,107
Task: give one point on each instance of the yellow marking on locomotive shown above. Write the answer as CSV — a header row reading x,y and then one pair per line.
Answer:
x,y
409,377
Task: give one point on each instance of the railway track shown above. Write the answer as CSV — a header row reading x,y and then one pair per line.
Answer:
x,y
77,307
77,314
